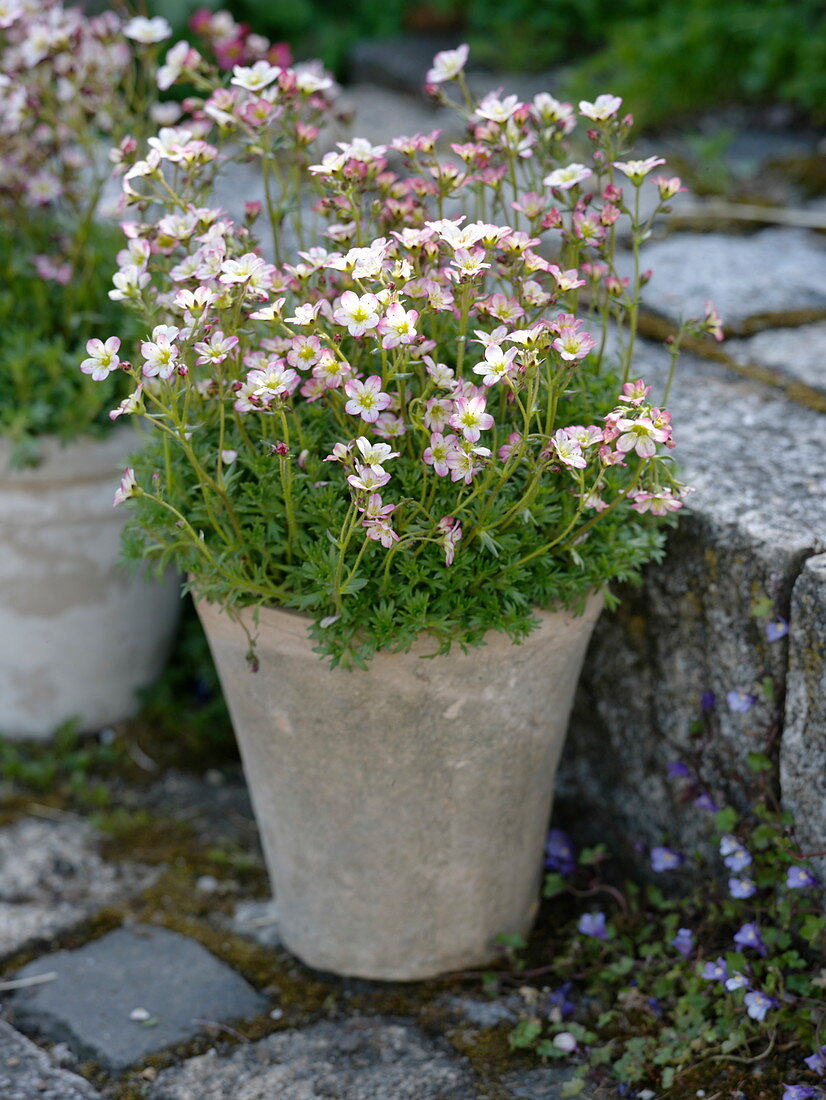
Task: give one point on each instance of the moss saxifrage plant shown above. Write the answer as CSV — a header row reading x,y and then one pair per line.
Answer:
x,y
398,413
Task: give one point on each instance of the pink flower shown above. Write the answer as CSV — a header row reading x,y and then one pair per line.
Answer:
x,y
506,450
635,392
470,417
127,487
436,454
568,451
566,280
366,398
451,536
398,326
659,503
573,345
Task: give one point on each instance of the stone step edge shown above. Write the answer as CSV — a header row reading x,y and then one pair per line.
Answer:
x,y
654,326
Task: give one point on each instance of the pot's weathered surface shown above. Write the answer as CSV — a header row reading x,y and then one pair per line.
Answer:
x,y
403,809
78,634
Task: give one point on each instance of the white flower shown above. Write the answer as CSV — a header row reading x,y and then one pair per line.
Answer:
x,y
174,65
103,358
374,454
254,78
497,364
359,314
497,110
128,283
637,170
147,31
447,65
565,178
603,107
160,353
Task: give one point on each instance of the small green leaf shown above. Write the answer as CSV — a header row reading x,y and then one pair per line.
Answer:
x,y
757,762
525,1034
726,819
574,1087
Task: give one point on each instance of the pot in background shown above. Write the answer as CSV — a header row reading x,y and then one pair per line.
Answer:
x,y
403,809
79,635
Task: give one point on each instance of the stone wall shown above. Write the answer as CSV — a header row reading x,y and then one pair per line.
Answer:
x,y
752,542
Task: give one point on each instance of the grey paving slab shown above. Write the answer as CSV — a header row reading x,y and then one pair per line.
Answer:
x,y
29,1073
52,877
136,991
774,272
356,1059
257,920
796,353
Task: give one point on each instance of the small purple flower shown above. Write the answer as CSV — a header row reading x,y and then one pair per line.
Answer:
x,y
655,1006
704,801
677,770
560,853
798,1092
739,702
758,1004
736,981
749,936
708,701
741,887
798,878
735,856
664,859
593,924
817,1061
684,942
715,971
559,998
776,629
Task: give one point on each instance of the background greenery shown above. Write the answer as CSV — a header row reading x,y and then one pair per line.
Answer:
x,y
667,57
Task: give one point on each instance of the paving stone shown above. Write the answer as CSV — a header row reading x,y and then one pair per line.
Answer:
x,y
796,353
257,920
546,1082
357,1059
758,465
89,1005
772,272
381,114
803,747
52,877
27,1072
401,64
217,808
487,1013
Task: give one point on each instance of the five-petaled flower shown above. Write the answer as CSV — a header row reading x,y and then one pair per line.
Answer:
x,y
103,358
366,398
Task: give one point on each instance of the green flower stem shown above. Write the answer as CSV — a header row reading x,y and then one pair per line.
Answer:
x,y
287,486
636,240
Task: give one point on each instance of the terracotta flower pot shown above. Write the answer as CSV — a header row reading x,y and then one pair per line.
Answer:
x,y
78,634
402,810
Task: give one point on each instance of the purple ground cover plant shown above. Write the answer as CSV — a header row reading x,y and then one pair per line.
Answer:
x,y
716,983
